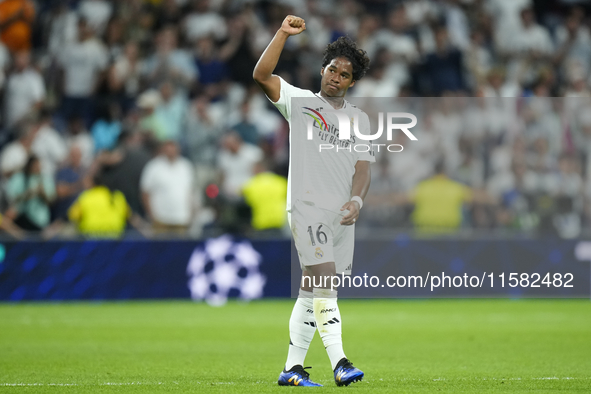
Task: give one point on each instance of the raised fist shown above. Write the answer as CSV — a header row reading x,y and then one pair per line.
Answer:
x,y
293,25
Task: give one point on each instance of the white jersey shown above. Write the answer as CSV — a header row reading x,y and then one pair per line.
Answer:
x,y
322,177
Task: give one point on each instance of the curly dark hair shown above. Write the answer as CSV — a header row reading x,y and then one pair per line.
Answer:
x,y
347,48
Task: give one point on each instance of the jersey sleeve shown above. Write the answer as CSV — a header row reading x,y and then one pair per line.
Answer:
x,y
362,153
286,93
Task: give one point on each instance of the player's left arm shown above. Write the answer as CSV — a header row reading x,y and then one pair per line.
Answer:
x,y
361,181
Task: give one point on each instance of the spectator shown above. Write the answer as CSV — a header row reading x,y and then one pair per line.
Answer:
x,y
30,194
573,43
25,89
97,13
439,203
236,162
106,130
245,128
238,50
115,38
169,62
69,182
444,67
124,76
61,27
456,24
48,145
150,121
100,212
202,140
212,70
201,22
401,48
77,134
533,39
16,20
15,155
167,188
498,86
171,110
83,64
507,21
125,166
266,194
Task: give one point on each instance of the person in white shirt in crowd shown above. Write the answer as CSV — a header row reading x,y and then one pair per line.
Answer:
x,y
573,43
457,24
236,162
202,136
49,146
25,89
61,27
125,77
14,156
506,19
96,12
169,61
401,47
202,22
533,39
77,134
30,194
167,187
83,65
376,83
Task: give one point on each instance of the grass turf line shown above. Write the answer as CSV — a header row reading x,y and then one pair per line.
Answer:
x,y
422,346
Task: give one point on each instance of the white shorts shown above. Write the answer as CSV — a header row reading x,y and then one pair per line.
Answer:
x,y
320,238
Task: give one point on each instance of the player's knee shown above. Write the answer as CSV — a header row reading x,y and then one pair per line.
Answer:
x,y
321,275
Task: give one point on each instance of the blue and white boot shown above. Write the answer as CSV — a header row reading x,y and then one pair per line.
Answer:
x,y
296,376
345,373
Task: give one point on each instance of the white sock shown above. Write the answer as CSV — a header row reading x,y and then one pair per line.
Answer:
x,y
302,326
328,320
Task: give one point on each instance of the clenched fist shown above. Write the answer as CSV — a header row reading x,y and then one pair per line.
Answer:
x,y
293,25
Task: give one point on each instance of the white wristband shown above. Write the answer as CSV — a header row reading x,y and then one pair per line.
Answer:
x,y
359,200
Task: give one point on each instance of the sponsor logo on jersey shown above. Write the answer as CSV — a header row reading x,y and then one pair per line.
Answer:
x,y
317,116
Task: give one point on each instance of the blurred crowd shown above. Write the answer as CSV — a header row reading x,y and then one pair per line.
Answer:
x,y
142,114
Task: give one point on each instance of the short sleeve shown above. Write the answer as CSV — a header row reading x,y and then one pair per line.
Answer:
x,y
365,153
286,93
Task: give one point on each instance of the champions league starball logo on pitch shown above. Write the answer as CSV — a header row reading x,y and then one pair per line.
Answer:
x,y
223,268
344,130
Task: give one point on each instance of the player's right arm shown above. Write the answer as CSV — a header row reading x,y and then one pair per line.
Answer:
x,y
263,71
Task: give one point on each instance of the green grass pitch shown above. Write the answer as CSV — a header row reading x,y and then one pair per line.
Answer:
x,y
415,346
